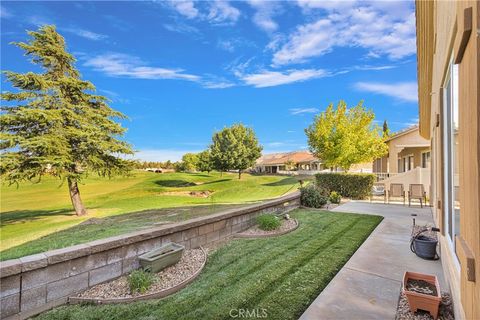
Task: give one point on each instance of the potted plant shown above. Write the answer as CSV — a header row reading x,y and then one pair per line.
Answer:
x,y
422,292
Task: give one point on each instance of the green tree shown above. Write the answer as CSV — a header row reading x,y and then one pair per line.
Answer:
x,y
235,148
168,164
189,162
178,166
205,161
55,124
344,137
290,165
385,129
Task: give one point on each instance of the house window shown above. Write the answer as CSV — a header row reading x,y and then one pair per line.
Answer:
x,y
426,159
410,162
400,169
451,165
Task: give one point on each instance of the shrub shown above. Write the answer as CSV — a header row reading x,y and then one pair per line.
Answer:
x,y
351,185
140,280
335,197
312,196
268,222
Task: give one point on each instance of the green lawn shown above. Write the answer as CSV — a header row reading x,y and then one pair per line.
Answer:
x,y
282,275
39,217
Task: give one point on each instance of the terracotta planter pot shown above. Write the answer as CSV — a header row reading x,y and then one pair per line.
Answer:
x,y
422,301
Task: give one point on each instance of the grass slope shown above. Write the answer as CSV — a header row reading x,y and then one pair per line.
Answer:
x,y
33,211
282,275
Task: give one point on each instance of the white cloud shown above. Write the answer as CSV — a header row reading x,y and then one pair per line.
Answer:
x,y
406,91
374,68
275,144
382,29
226,45
161,154
263,17
275,78
39,20
85,33
217,85
185,8
222,12
181,28
123,65
117,64
4,13
216,12
295,111
308,5
287,144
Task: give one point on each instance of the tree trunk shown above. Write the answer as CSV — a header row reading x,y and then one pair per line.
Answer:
x,y
75,197
239,174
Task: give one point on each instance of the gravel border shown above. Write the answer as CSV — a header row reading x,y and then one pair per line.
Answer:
x,y
162,293
255,232
445,311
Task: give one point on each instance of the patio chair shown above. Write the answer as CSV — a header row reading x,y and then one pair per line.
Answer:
x,y
378,190
396,191
417,191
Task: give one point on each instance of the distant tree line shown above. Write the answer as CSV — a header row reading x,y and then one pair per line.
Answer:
x,y
232,148
154,164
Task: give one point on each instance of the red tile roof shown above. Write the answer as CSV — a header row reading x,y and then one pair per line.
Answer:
x,y
281,158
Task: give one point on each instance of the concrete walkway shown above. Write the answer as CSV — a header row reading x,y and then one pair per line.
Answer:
x,y
369,284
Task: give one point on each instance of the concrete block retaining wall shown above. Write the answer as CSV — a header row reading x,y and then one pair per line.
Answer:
x,y
39,282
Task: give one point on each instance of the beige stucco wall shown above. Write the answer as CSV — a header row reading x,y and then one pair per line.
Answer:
x,y
395,151
447,32
415,176
417,155
409,138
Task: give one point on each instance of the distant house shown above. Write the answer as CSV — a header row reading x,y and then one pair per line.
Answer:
x,y
288,162
298,162
406,151
407,161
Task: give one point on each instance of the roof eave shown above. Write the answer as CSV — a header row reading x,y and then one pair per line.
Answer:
x,y
424,12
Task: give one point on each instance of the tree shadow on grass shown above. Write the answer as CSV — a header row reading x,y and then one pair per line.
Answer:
x,y
184,183
19,216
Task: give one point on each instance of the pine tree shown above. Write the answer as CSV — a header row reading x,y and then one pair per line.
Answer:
x,y
385,129
54,123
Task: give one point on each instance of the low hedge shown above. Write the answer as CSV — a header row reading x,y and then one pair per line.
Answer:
x,y
349,185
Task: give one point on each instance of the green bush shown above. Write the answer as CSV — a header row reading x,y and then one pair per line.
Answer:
x,y
268,222
312,196
335,197
350,185
140,280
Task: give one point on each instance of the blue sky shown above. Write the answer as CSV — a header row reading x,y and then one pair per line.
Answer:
x,y
182,70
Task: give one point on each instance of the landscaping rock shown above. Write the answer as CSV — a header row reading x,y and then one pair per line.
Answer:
x,y
256,231
190,263
445,312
